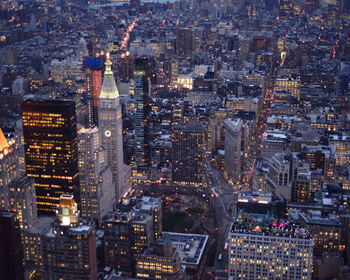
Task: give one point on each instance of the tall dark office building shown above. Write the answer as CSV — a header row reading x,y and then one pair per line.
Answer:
x,y
51,150
11,255
125,66
187,154
184,41
141,99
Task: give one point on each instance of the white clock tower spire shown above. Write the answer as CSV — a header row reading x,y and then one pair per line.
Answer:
x,y
110,123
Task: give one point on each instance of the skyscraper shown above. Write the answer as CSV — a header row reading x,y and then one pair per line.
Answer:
x,y
92,87
17,191
97,191
129,230
110,125
233,138
11,255
141,158
51,150
8,171
185,41
187,154
125,67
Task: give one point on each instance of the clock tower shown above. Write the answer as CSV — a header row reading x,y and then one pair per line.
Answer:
x,y
110,126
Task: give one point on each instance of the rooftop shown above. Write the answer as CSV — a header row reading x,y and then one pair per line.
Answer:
x,y
189,246
283,229
320,218
257,197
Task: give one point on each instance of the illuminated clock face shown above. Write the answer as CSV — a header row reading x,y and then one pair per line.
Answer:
x,y
108,133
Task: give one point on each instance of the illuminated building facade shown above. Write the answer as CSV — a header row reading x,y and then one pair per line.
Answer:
x,y
185,81
320,157
159,261
291,85
11,255
237,104
51,151
110,126
269,251
129,230
187,154
233,139
97,191
301,187
141,158
17,191
326,231
92,87
342,145
22,200
67,212
65,247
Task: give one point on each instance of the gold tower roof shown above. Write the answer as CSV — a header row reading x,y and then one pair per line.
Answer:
x,y
109,87
3,142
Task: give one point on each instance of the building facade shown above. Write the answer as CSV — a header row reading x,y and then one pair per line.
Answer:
x,y
17,191
269,252
97,192
92,88
188,142
110,126
129,230
233,139
63,247
141,157
185,41
51,150
159,261
11,255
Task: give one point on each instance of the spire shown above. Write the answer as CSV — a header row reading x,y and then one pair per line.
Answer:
x,y
3,142
109,88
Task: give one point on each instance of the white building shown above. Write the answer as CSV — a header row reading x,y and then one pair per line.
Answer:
x,y
279,176
66,69
97,191
110,125
82,50
269,252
